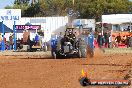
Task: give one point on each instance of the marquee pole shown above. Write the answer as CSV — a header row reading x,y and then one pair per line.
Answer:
x,y
14,36
102,26
3,32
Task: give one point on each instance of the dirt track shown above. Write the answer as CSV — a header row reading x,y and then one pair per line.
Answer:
x,y
61,73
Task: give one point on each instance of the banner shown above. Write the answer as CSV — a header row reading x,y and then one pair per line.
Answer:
x,y
28,27
10,14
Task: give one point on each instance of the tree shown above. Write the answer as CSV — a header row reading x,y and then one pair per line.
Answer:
x,y
48,8
95,8
87,8
19,4
8,7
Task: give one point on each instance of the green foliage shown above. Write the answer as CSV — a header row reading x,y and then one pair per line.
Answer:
x,y
19,2
8,7
87,8
95,8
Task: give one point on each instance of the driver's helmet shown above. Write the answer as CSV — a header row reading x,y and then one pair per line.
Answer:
x,y
70,31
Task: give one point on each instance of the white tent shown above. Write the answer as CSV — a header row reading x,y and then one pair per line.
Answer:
x,y
117,18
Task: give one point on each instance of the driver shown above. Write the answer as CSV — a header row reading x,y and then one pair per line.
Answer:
x,y
63,40
72,37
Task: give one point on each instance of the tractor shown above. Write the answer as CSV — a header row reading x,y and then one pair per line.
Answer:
x,y
68,46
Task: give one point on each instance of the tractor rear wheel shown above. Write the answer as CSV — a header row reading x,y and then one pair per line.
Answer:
x,y
84,53
83,49
79,54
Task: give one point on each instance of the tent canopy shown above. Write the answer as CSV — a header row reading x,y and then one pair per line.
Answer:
x,y
6,29
28,23
117,18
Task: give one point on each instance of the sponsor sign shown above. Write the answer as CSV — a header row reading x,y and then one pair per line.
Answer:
x,y
10,14
28,27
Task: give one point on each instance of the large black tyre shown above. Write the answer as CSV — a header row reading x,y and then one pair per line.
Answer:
x,y
79,54
84,53
45,48
83,49
85,81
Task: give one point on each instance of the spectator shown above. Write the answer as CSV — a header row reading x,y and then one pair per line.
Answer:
x,y
53,45
118,39
25,36
18,44
90,46
128,29
91,41
11,41
5,43
5,40
100,40
106,38
36,39
110,41
127,41
29,43
130,41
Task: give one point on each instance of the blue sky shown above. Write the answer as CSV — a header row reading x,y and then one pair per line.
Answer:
x,y
4,3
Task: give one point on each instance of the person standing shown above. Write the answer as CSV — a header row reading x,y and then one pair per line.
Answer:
x,y
110,42
53,46
100,40
11,42
25,37
128,29
29,43
130,41
118,39
106,37
90,50
91,41
36,39
127,41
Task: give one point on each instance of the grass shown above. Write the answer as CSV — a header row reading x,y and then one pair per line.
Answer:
x,y
118,50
